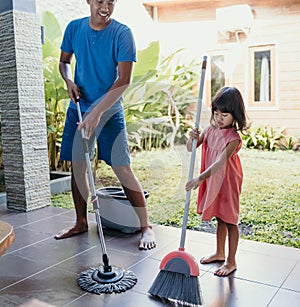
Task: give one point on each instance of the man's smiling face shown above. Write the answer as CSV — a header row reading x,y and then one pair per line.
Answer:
x,y
101,11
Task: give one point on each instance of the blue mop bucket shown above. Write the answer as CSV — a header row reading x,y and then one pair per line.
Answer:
x,y
116,210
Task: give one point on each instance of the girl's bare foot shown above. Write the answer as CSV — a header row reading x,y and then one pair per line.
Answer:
x,y
225,270
70,232
212,259
148,239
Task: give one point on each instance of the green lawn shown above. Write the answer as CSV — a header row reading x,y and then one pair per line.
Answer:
x,y
270,201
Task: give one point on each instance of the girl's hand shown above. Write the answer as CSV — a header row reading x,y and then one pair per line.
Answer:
x,y
194,134
194,137
193,184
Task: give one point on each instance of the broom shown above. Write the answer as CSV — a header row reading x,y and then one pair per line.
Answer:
x,y
177,280
105,278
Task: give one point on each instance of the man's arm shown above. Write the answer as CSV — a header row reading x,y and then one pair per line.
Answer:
x,y
66,73
115,92
117,89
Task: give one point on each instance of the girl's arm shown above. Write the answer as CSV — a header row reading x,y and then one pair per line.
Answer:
x,y
212,169
194,135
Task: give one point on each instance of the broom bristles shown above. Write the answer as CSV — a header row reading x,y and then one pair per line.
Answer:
x,y
177,287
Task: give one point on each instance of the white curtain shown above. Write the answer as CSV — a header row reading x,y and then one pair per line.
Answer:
x,y
264,80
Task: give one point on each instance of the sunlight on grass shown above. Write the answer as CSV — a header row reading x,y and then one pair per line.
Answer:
x,y
270,200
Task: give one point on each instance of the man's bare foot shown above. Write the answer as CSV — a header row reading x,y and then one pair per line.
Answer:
x,y
225,270
148,239
70,232
212,259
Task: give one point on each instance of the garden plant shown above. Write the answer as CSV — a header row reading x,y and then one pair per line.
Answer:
x,y
157,111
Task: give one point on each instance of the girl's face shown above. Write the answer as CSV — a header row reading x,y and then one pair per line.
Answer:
x,y
223,120
101,10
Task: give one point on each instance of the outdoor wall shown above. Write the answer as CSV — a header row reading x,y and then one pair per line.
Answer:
x,y
281,26
22,103
275,22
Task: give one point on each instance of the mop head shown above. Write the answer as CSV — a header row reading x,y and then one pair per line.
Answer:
x,y
95,280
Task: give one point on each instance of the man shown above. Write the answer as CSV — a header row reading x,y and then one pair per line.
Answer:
x,y
105,51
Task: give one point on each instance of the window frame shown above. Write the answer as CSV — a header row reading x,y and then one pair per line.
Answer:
x,y
221,52
251,88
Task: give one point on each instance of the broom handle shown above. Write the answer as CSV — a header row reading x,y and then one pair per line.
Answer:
x,y
94,199
193,156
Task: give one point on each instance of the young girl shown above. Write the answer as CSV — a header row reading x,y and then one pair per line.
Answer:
x,y
221,174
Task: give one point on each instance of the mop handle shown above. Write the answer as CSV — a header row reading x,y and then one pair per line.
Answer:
x,y
95,200
193,156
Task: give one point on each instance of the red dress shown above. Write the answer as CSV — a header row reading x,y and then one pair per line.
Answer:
x,y
219,195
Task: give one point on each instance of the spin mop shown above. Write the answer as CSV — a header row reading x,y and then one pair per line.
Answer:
x,y
177,280
106,278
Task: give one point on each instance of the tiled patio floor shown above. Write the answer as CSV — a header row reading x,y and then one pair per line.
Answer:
x,y
39,267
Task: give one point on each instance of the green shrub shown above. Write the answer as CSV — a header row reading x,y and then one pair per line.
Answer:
x,y
156,103
56,95
268,138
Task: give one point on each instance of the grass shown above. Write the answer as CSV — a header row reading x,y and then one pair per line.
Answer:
x,y
270,201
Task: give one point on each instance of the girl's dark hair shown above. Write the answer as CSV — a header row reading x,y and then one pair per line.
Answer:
x,y
230,100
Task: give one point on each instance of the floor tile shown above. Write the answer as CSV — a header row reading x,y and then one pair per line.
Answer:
x,y
234,292
5,301
146,272
15,268
293,280
26,238
286,298
53,286
93,258
262,268
262,248
18,219
39,267
127,299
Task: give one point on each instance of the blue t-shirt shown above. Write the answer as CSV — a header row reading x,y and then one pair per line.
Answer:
x,y
97,55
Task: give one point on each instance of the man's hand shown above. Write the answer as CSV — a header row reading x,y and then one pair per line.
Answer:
x,y
89,124
65,70
73,91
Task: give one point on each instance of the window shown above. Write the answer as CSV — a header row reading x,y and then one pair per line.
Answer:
x,y
262,76
217,79
216,76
